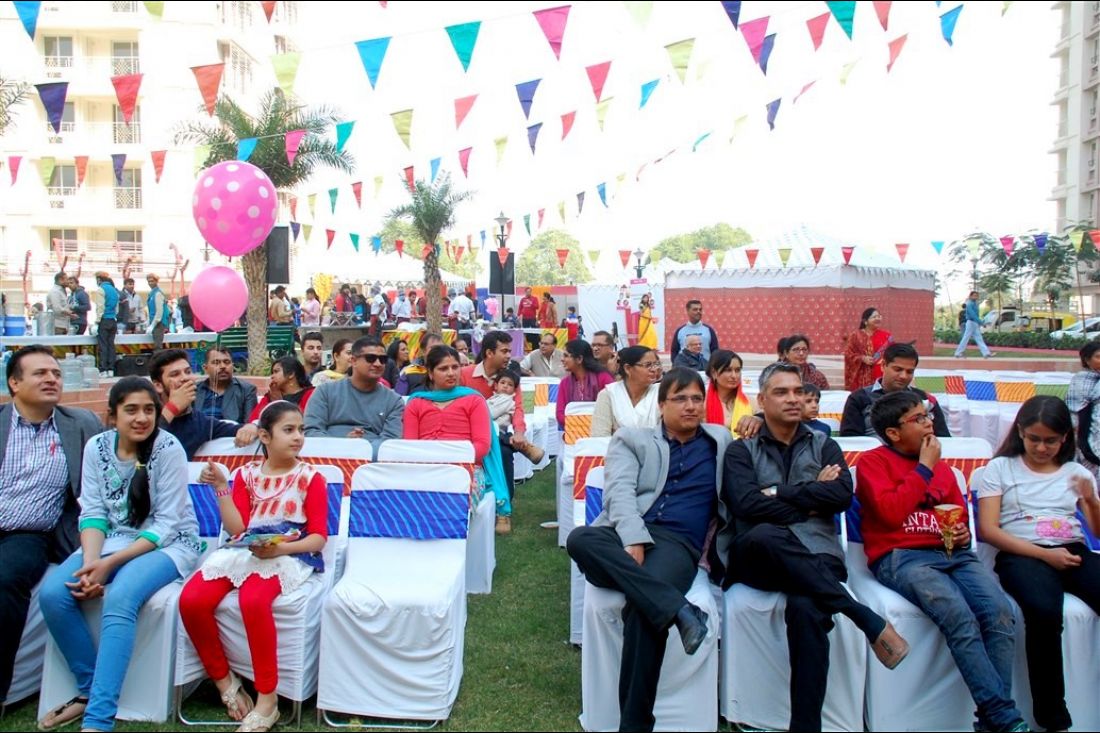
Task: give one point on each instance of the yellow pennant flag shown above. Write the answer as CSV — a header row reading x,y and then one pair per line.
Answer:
x,y
377,186
155,9
847,70
310,201
654,257
972,245
45,168
601,111
1005,6
738,125
306,229
593,255
784,255
202,152
639,11
1076,238
679,54
402,122
561,211
286,70
501,143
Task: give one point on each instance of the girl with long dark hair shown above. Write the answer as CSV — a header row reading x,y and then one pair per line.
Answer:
x,y
585,380
1028,502
289,382
138,533
397,358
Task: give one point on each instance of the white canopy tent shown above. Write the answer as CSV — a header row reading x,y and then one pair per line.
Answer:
x,y
389,269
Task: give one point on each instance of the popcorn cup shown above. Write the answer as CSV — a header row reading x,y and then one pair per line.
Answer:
x,y
948,515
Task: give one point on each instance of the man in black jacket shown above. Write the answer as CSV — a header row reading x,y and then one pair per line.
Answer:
x,y
899,363
783,487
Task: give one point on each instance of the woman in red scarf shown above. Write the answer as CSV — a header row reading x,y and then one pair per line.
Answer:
x,y
727,403
863,354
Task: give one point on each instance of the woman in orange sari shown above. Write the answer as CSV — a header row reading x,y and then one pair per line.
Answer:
x,y
863,354
727,404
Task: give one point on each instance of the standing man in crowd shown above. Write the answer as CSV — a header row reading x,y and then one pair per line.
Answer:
x,y
528,310
402,309
107,300
279,311
899,364
79,305
545,361
696,326
133,305
378,307
972,329
222,396
313,351
463,309
159,314
57,302
39,487
692,354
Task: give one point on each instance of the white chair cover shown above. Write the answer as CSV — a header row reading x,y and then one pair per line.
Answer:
x,y
566,522
685,695
965,448
394,626
539,430
26,677
590,509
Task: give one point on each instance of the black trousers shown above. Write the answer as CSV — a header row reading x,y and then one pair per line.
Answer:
x,y
1039,590
105,344
24,557
507,457
654,593
158,335
772,558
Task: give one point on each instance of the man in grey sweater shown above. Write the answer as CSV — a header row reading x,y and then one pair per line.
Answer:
x,y
359,406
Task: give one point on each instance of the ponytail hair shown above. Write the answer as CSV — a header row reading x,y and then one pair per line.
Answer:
x,y
138,496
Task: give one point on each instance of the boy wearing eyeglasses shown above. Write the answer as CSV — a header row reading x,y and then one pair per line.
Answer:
x,y
915,533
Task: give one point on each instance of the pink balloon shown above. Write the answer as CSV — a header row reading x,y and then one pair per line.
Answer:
x,y
234,206
219,296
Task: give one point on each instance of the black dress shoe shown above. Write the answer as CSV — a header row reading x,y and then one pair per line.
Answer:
x,y
691,621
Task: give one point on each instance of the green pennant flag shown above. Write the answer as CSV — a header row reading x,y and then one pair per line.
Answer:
x,y
593,255
332,194
378,180
1075,239
679,54
343,132
354,241
155,9
306,229
784,255
845,14
527,223
463,38
561,211
311,201
501,143
640,12
402,122
601,111
46,166
202,152
286,69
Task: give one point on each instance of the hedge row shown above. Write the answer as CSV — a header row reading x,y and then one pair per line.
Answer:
x,y
1021,339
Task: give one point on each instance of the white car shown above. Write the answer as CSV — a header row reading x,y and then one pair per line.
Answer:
x,y
1091,330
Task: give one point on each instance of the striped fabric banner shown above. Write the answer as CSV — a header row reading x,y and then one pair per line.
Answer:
x,y
1015,391
1055,390
937,385
206,509
955,385
418,515
593,503
966,465
542,395
346,465
581,466
334,493
577,427
981,391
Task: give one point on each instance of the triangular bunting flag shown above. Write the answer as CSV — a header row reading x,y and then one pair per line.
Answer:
x,y
371,53
28,15
895,50
847,253
293,201
13,166
245,147
286,70
751,255
563,255
847,70
501,143
293,141
354,241
462,108
1040,242
464,160
784,255
343,132
773,110
357,189
533,135
973,245
378,181
647,91
269,8
624,255
295,229
376,244
527,223
118,161
311,204
1008,243
126,90
679,54
1094,237
155,9
329,236
766,51
81,162
542,213
597,77
601,189
938,246
508,228
903,249
733,11
845,13
882,10
158,163
399,245
580,203
1005,6
459,251
333,193
593,255
402,122
526,91
816,26
817,252
739,124
410,179
704,256
947,24
567,123
553,21
1075,238
561,211
754,32
464,38
53,100
502,255
639,11
435,167
805,89
209,78
46,166
306,230
601,111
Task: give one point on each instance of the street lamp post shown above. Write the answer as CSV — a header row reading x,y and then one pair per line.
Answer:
x,y
974,273
502,242
639,268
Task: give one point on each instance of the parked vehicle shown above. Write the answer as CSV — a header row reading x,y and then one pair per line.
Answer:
x,y
1089,328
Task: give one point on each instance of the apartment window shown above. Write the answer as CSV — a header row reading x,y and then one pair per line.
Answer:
x,y
62,185
237,14
128,193
122,6
57,52
68,123
65,240
238,66
287,11
127,134
284,45
129,247
124,58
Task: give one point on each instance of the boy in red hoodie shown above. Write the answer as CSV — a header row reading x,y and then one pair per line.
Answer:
x,y
898,486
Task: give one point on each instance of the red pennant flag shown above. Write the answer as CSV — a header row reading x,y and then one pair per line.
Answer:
x,y
464,160
13,165
563,255
1094,235
357,189
329,235
817,28
502,255
704,255
158,163
409,179
902,249
126,89
459,251
542,213
209,78
462,108
895,50
624,255
269,8
847,252
567,123
399,245
552,21
293,140
805,89
597,76
882,10
751,255
817,252
81,169
294,208
426,250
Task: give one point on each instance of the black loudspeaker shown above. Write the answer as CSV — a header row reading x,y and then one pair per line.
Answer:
x,y
132,366
502,278
278,255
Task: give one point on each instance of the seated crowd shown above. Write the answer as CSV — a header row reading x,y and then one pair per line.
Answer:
x,y
696,475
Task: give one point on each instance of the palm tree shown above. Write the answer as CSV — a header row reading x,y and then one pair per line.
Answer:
x,y
1053,269
432,211
12,94
277,116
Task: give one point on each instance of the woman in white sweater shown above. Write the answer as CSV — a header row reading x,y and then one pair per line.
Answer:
x,y
632,401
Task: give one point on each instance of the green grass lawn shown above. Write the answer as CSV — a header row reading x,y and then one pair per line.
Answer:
x,y
521,673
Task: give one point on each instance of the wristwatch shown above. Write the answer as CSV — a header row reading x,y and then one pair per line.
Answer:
x,y
771,491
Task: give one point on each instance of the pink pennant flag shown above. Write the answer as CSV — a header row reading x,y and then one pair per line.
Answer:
x,y
624,255
126,90
597,76
13,166
754,32
552,21
751,254
895,50
567,123
1094,235
563,255
902,249
817,252
462,108
508,228
293,140
410,179
1009,244
81,169
817,28
805,89
158,163
882,10
294,208
329,235
847,252
426,250
704,255
464,160
542,213
357,189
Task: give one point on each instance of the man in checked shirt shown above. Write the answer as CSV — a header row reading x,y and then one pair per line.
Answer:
x,y
41,453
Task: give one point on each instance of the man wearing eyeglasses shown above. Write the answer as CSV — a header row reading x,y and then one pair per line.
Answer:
x,y
359,406
899,364
603,348
545,361
660,498
692,355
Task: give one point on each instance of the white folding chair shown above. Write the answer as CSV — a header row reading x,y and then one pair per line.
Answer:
x,y
297,622
593,505
481,557
26,677
394,626
578,422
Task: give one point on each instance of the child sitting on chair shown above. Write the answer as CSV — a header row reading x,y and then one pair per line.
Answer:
x,y
810,405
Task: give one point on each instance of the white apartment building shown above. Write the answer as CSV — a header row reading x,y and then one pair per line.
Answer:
x,y
135,224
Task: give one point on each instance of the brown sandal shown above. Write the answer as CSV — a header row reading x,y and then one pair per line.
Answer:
x,y
64,714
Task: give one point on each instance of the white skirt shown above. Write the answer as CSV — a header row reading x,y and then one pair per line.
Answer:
x,y
238,564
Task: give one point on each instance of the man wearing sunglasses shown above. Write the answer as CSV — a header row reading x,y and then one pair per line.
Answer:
x,y
359,406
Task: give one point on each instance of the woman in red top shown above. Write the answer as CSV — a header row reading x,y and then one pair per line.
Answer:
x,y
289,382
548,312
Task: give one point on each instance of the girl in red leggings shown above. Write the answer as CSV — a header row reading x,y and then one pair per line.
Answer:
x,y
276,516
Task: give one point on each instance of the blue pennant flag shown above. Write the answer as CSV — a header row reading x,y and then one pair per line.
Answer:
x,y
526,92
647,90
371,53
245,147
947,24
773,110
733,11
938,246
376,244
295,227
601,189
435,168
533,135
1041,242
766,51
28,14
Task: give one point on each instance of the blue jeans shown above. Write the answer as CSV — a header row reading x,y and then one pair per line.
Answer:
x,y
963,599
973,330
99,675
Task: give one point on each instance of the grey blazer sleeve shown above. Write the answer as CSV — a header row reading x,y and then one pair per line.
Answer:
x,y
620,496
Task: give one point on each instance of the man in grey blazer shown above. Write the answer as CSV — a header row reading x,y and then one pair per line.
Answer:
x,y
660,500
41,454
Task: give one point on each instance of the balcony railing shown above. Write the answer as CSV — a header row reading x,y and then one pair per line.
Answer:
x,y
127,198
127,134
122,6
121,65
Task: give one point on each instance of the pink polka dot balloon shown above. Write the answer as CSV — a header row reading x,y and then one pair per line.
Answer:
x,y
234,206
